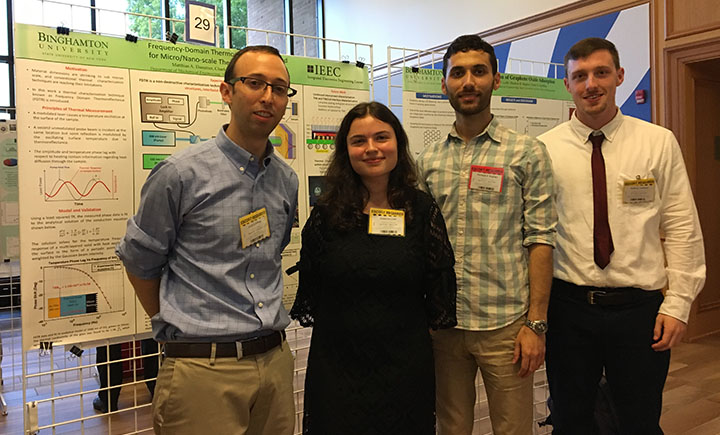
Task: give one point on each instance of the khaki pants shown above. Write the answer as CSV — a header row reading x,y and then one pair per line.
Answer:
x,y
458,355
252,396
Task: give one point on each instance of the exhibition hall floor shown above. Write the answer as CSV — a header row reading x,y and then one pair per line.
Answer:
x,y
691,400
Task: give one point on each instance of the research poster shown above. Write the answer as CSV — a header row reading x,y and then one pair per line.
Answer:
x,y
326,91
9,212
95,115
324,111
527,104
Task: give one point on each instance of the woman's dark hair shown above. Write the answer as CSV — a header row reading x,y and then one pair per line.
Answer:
x,y
344,194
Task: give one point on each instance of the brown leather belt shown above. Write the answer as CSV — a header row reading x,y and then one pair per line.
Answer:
x,y
234,349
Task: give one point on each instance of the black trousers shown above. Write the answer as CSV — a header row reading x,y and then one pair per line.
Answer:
x,y
150,367
583,340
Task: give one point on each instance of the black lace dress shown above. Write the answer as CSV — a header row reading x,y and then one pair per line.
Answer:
x,y
371,300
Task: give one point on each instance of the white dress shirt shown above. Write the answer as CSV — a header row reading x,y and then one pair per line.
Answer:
x,y
633,149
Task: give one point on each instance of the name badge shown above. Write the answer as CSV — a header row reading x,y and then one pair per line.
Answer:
x,y
386,222
486,178
254,227
639,191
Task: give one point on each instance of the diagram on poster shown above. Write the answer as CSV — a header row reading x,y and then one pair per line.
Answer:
x,y
81,183
427,118
172,111
84,288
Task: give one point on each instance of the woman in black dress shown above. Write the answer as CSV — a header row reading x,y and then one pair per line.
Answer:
x,y
372,284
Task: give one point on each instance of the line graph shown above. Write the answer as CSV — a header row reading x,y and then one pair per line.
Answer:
x,y
86,183
85,288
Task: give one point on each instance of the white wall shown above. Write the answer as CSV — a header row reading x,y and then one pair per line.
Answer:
x,y
422,24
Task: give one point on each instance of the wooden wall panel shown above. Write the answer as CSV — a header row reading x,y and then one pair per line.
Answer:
x,y
687,17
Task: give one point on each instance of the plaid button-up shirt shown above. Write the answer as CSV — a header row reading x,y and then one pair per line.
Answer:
x,y
491,230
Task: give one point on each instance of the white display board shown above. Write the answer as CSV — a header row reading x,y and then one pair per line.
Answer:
x,y
95,115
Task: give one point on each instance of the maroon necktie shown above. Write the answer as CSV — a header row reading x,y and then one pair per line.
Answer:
x,y
602,239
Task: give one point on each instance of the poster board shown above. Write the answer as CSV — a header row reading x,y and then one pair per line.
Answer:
x,y
527,104
95,114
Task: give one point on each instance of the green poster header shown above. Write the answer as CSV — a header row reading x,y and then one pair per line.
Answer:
x,y
44,43
517,85
422,80
511,85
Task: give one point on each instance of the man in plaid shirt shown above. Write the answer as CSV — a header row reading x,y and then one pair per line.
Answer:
x,y
494,187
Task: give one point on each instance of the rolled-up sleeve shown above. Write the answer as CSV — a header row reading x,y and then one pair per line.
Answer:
x,y
151,232
540,216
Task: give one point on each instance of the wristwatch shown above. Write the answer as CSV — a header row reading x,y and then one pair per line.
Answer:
x,y
537,326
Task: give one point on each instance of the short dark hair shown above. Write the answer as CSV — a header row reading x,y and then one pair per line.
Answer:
x,y
230,70
466,43
588,46
344,193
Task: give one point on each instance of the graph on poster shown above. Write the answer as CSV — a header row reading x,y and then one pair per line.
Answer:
x,y
85,288
86,183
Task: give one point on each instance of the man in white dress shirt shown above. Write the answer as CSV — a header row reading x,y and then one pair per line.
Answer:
x,y
625,210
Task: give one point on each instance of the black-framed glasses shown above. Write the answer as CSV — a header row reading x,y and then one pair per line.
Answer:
x,y
257,85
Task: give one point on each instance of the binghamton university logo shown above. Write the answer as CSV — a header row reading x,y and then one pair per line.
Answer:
x,y
70,44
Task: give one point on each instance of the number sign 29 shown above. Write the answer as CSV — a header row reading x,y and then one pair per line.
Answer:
x,y
200,23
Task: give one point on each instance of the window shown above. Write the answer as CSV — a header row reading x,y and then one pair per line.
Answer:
x,y
74,14
151,19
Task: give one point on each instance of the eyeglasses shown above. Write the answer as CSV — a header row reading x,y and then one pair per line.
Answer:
x,y
257,85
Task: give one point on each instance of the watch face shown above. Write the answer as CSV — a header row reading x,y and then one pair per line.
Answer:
x,y
541,326
538,326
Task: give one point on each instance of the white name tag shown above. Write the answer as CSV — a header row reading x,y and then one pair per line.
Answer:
x,y
486,178
254,227
640,191
386,222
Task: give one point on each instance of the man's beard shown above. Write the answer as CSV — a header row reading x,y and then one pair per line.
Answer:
x,y
474,109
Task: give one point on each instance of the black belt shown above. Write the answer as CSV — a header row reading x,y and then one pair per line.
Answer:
x,y
604,296
234,349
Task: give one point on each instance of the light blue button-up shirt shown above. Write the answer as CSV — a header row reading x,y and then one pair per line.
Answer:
x,y
186,231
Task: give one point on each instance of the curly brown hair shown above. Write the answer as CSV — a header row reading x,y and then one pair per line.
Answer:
x,y
344,195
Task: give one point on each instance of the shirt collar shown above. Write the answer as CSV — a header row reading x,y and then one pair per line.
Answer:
x,y
609,130
239,155
492,131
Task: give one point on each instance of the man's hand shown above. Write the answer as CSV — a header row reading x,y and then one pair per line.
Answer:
x,y
668,332
529,350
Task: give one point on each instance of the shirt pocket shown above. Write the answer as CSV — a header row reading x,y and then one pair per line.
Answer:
x,y
487,203
637,207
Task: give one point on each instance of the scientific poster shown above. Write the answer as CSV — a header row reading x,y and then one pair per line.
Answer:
x,y
330,90
527,104
74,141
9,212
95,115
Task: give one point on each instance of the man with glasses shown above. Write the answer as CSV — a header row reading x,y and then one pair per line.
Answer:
x,y
203,254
